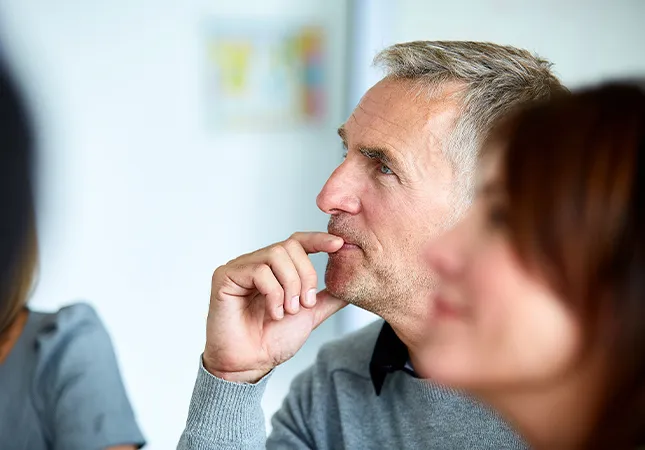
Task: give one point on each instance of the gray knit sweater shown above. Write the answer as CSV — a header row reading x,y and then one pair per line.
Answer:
x,y
332,405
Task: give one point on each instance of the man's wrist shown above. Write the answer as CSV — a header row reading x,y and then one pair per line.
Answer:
x,y
245,376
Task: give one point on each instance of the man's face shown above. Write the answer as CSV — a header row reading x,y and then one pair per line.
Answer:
x,y
389,197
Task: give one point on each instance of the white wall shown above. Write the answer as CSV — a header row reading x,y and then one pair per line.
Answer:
x,y
588,40
139,200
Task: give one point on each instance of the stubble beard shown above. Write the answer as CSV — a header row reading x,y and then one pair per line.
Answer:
x,y
384,290
388,287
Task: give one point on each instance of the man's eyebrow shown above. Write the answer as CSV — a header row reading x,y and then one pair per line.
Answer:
x,y
382,154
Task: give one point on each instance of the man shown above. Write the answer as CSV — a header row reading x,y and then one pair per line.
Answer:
x,y
412,145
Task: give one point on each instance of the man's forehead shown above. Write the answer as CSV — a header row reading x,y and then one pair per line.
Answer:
x,y
395,111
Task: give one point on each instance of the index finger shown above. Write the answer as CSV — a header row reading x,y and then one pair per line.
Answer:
x,y
316,241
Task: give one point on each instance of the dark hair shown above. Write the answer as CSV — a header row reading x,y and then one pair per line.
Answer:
x,y
574,172
16,198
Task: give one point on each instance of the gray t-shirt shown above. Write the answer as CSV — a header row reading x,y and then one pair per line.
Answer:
x,y
61,388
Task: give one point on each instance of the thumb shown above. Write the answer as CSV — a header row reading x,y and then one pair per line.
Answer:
x,y
326,306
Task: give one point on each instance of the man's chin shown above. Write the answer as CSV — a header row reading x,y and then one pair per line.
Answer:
x,y
338,292
350,283
349,291
335,288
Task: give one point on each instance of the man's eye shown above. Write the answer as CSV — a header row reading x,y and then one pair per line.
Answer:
x,y
385,170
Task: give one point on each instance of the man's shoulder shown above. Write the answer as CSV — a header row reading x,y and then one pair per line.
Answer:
x,y
352,352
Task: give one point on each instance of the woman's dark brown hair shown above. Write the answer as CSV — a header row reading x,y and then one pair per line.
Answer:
x,y
17,232
574,172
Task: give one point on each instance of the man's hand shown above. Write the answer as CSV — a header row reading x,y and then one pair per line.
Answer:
x,y
264,306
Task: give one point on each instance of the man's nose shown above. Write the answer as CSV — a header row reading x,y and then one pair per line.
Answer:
x,y
341,192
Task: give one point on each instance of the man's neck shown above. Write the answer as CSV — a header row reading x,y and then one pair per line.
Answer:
x,y
411,333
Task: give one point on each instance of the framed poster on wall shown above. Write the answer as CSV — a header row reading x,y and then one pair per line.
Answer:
x,y
264,74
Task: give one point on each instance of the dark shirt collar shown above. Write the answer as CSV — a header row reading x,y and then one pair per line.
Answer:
x,y
390,355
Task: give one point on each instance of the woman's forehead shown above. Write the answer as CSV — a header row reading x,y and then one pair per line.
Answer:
x,y
489,167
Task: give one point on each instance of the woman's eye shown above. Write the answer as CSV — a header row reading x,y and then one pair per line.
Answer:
x,y
497,216
385,170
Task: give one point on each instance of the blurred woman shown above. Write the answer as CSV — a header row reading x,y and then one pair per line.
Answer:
x,y
60,384
540,305
15,177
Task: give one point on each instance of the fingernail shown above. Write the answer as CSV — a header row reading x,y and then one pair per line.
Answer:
x,y
334,240
311,297
279,312
295,303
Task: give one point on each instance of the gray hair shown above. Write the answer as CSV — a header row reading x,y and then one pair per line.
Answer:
x,y
496,79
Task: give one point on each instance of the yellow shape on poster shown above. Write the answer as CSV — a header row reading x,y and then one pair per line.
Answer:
x,y
234,59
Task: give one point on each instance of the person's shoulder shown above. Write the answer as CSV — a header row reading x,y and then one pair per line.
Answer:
x,y
352,352
74,331
78,318
77,381
68,343
77,314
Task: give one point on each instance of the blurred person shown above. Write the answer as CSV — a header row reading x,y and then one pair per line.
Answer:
x,y
15,177
411,143
540,306
61,387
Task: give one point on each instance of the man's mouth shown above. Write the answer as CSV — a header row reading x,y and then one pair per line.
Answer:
x,y
349,243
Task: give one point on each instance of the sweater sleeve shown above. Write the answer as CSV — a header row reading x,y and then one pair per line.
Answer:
x,y
224,415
